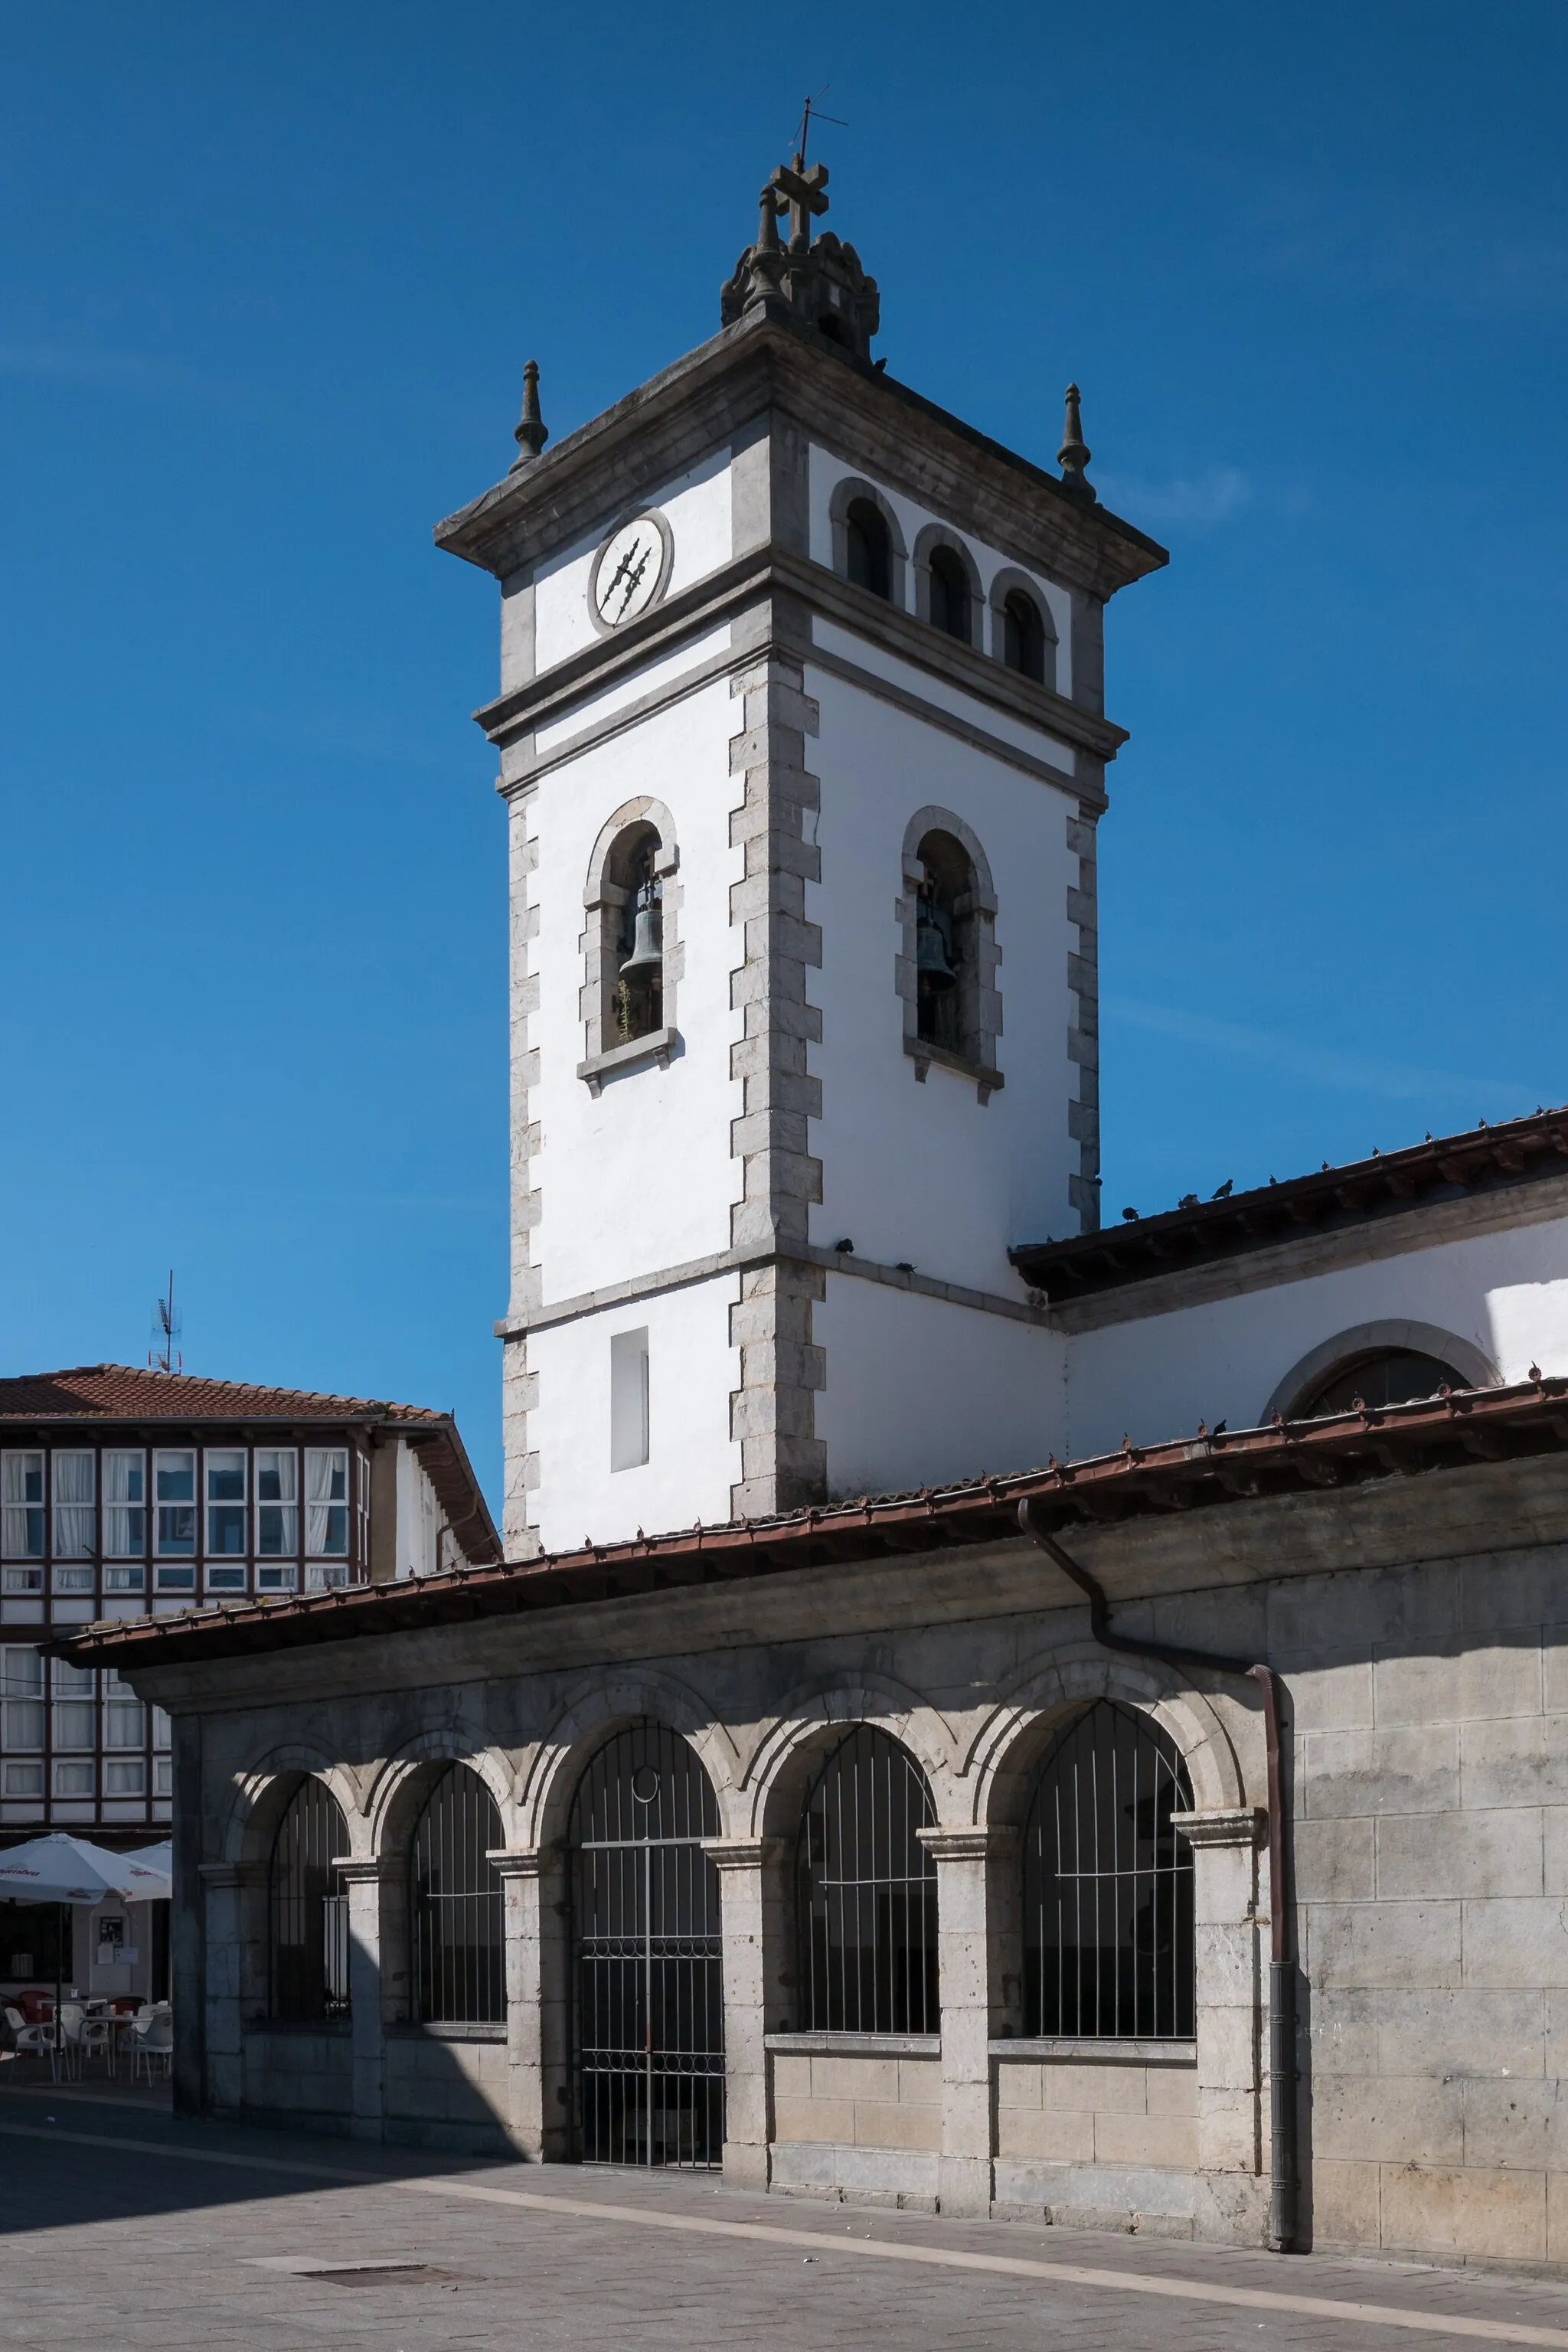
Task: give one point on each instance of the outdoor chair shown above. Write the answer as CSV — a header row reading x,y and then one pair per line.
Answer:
x,y
153,2045
28,2041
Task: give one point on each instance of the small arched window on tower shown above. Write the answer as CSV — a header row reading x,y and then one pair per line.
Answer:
x,y
868,549
1023,637
950,593
632,974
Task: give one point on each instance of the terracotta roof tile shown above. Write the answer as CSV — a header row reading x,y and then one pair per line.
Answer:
x,y
118,1392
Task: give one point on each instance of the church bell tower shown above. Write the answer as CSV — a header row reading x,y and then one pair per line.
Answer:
x,y
802,744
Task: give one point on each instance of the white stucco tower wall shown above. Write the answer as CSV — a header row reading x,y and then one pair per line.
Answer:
x,y
782,733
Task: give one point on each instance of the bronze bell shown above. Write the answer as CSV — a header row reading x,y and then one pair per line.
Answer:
x,y
931,967
645,960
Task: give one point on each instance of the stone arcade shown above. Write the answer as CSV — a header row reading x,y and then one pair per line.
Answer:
x,y
904,1828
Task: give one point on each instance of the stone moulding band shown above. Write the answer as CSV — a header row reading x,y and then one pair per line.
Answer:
x,y
742,1261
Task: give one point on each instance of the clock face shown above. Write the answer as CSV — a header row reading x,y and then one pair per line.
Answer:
x,y
630,571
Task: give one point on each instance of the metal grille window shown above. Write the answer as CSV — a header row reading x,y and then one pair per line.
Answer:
x,y
867,1892
308,1912
1107,1884
648,1986
459,1975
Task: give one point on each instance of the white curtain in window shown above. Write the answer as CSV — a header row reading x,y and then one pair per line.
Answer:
x,y
324,1467
285,1467
123,1496
74,1529
124,1716
20,1529
22,1689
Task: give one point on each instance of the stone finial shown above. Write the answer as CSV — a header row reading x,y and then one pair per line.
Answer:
x,y
531,432
1074,453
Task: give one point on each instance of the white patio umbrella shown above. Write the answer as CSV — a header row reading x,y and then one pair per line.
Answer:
x,y
66,1870
160,1860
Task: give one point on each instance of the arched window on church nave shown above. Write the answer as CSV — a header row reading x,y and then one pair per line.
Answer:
x,y
455,1905
1378,1376
865,1893
308,1910
1107,1884
868,550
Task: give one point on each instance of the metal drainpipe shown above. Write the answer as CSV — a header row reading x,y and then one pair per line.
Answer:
x,y
1283,2180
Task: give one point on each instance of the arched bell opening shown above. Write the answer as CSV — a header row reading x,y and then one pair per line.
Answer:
x,y
636,972
945,941
647,2000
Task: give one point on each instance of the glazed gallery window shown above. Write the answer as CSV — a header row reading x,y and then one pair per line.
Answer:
x,y
327,1501
455,1908
75,1707
174,1483
124,1517
124,1715
278,1503
22,1506
308,1911
21,1701
865,1893
76,1520
225,1501
1107,1884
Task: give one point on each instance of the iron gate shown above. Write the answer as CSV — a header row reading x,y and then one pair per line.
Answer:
x,y
647,2008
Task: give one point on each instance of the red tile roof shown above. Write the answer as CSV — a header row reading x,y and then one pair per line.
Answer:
x,y
102,1394
119,1392
1450,1430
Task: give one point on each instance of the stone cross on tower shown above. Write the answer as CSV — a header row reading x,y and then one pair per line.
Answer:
x,y
801,186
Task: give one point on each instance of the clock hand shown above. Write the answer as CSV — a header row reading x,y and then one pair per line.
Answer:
x,y
631,589
619,571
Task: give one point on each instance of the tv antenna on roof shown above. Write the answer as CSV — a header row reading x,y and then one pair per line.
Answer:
x,y
809,111
163,1355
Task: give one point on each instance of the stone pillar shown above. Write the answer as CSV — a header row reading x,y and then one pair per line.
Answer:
x,y
968,1958
227,1896
1230,1933
362,1882
536,2003
752,1916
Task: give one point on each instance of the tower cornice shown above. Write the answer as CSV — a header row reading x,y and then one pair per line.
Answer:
x,y
866,417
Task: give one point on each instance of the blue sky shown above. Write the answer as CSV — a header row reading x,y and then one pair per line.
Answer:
x,y
271,277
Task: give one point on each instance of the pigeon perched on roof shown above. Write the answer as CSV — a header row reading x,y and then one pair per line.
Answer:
x,y
1223,1192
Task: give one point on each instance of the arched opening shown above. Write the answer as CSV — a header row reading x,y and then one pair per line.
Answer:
x,y
308,1910
946,946
1380,1377
865,1893
456,1914
647,2000
1107,1884
1023,635
633,976
868,549
950,593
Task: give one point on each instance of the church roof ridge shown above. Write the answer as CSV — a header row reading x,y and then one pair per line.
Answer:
x,y
1453,1428
1482,1158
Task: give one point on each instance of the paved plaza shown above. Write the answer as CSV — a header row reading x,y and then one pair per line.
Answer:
x,y
126,2229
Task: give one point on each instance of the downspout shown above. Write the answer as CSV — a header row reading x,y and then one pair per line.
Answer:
x,y
1283,2181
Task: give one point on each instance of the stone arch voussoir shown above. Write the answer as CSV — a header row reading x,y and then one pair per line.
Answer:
x,y
817,1708
594,1711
